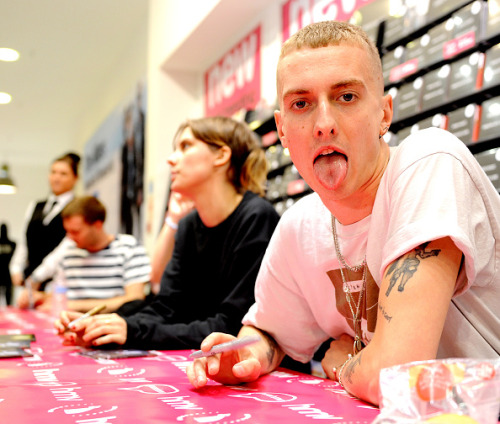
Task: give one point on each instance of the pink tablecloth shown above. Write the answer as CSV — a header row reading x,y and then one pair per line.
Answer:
x,y
57,385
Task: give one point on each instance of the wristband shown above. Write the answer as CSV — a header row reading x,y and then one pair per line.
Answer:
x,y
171,223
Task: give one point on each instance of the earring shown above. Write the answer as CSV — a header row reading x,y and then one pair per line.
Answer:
x,y
384,132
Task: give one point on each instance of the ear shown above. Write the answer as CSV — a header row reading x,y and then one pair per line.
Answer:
x,y
222,156
387,112
279,126
98,225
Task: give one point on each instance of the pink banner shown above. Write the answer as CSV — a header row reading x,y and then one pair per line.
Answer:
x,y
233,83
57,385
299,13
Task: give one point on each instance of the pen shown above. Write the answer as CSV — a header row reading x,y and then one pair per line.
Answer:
x,y
93,311
226,347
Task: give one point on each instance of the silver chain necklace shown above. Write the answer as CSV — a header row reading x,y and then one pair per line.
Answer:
x,y
356,316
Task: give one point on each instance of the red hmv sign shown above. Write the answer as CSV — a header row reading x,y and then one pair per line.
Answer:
x,y
233,82
299,13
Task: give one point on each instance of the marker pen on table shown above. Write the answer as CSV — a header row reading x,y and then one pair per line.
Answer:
x,y
93,311
226,347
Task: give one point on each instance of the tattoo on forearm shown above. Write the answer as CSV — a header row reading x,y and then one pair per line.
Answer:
x,y
351,367
384,313
273,347
402,269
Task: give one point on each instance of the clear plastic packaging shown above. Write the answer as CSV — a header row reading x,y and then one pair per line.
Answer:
x,y
450,391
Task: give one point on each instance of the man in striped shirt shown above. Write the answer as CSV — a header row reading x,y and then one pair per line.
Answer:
x,y
96,267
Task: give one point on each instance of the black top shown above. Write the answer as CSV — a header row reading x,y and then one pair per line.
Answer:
x,y
208,285
42,239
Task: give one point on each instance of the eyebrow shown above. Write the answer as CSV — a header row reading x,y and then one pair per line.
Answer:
x,y
347,83
337,86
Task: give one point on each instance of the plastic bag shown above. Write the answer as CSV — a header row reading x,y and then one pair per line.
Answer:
x,y
450,391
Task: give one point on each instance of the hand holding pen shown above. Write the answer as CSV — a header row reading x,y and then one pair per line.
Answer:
x,y
226,347
93,311
228,360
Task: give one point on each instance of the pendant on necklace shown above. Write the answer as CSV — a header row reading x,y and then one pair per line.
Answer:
x,y
358,345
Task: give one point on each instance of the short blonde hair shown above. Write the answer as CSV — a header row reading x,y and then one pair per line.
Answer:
x,y
333,33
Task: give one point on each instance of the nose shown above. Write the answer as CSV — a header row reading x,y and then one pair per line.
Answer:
x,y
325,121
172,158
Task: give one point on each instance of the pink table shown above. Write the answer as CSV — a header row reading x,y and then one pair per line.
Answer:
x,y
57,385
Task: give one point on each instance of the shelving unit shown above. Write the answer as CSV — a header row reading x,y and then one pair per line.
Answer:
x,y
461,83
461,59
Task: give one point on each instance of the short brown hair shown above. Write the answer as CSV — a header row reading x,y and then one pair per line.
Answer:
x,y
72,159
248,170
89,207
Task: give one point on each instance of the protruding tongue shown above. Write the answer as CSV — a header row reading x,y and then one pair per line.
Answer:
x,y
331,169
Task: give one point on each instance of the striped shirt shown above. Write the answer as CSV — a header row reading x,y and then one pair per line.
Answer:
x,y
104,274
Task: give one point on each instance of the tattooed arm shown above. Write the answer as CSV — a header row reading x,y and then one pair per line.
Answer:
x,y
413,302
242,365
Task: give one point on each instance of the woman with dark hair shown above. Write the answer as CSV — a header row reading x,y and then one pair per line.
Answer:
x,y
208,284
43,223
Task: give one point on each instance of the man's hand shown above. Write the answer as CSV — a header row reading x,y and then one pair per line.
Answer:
x,y
93,331
234,367
23,300
17,279
336,355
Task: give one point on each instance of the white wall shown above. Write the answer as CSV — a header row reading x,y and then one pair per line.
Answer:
x,y
30,168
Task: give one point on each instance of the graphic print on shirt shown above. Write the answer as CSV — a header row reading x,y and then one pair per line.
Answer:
x,y
369,301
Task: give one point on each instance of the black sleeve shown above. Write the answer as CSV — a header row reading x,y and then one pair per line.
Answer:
x,y
183,314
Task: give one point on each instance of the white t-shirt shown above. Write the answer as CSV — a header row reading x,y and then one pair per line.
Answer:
x,y
432,188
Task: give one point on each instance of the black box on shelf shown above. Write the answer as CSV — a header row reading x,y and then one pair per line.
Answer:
x,y
370,16
274,188
466,76
491,74
409,99
470,18
441,8
490,162
468,25
415,15
438,121
394,30
434,42
435,87
415,53
403,133
490,119
285,158
390,62
464,123
492,27
391,138
273,156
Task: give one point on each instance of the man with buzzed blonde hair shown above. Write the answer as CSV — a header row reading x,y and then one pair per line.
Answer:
x,y
396,254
